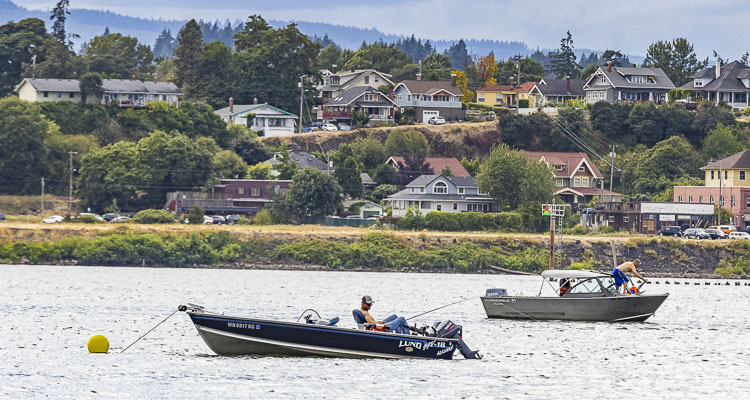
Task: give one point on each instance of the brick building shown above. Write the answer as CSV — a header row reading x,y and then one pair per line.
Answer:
x,y
230,196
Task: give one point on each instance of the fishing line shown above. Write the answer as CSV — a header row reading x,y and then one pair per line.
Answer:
x,y
149,331
435,309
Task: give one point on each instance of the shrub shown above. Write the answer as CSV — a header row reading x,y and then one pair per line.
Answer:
x,y
195,215
578,230
263,217
605,229
412,220
580,265
523,103
473,221
152,216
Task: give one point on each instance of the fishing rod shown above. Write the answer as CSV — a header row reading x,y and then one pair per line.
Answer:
x,y
435,309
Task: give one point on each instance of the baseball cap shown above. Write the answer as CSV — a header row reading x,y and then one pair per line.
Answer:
x,y
367,300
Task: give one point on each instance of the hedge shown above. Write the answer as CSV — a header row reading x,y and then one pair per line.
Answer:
x,y
509,221
152,216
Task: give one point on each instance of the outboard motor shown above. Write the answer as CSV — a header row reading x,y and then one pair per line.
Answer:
x,y
447,329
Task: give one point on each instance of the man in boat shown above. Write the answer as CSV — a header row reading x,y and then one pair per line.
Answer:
x,y
618,274
395,323
564,286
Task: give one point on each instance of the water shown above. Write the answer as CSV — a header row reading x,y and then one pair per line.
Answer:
x,y
695,347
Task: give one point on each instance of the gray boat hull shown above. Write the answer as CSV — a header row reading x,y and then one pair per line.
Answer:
x,y
614,309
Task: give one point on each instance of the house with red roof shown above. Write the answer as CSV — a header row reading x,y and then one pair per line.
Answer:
x,y
437,164
578,180
505,95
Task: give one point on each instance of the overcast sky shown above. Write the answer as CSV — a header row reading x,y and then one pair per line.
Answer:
x,y
629,25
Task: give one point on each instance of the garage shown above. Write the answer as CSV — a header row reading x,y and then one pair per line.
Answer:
x,y
427,114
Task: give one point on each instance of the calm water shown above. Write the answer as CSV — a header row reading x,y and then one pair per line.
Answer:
x,y
695,347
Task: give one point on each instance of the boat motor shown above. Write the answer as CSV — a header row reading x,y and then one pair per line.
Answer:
x,y
447,329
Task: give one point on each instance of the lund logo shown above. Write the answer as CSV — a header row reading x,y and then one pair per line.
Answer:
x,y
410,343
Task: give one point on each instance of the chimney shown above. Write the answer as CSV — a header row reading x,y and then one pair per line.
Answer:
x,y
718,68
334,67
635,66
419,74
609,66
453,80
231,105
255,100
567,83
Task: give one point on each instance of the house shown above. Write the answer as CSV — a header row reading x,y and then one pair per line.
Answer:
x,y
430,98
497,96
124,92
649,217
265,118
729,84
628,85
303,159
441,193
229,196
360,99
556,91
335,83
437,164
366,208
727,184
367,181
576,177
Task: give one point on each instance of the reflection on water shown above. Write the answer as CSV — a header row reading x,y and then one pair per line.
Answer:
x,y
696,345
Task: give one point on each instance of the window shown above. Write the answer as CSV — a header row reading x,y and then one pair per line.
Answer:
x,y
626,219
698,82
455,205
440,188
587,286
254,191
700,199
376,79
559,167
480,98
439,207
721,200
581,169
747,202
679,199
399,96
482,192
425,205
603,79
71,95
611,219
711,199
576,182
46,94
559,182
460,190
742,175
585,182
408,97
59,95
240,190
690,199
726,176
498,98
734,203
367,80
712,174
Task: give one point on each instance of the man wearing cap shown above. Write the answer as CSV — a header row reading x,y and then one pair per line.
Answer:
x,y
618,274
395,323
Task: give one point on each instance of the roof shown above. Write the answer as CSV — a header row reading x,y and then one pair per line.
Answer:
x,y
739,160
729,78
617,77
430,87
559,87
245,108
366,179
587,191
570,161
108,85
526,86
357,74
350,95
405,195
438,164
571,274
498,88
459,181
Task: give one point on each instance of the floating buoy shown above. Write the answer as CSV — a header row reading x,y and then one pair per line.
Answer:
x,y
98,344
696,283
676,282
657,282
707,283
736,284
726,284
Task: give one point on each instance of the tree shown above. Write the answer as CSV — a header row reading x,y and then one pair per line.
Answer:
x,y
463,83
531,71
59,15
379,56
458,54
370,153
57,146
587,72
383,191
613,56
312,194
484,70
385,174
286,166
195,215
471,166
407,143
23,132
111,174
118,56
652,170
563,61
446,171
677,58
722,141
18,43
346,171
261,170
512,179
90,85
55,60
214,83
227,164
329,56
164,45
250,149
187,55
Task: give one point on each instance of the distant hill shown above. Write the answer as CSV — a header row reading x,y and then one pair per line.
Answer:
x,y
89,23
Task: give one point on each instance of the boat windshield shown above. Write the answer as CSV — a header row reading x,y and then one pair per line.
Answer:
x,y
609,284
587,286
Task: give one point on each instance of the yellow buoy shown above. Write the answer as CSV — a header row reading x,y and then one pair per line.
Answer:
x,y
98,344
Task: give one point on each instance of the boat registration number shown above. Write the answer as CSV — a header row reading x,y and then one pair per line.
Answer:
x,y
242,325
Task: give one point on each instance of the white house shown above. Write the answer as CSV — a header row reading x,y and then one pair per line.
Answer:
x,y
441,193
270,120
125,92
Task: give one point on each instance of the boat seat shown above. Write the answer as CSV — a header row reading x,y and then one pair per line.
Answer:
x,y
328,322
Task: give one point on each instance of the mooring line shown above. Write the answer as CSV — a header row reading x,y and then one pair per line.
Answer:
x,y
149,331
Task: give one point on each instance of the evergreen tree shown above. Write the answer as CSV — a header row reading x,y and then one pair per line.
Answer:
x,y
187,54
164,45
458,54
563,62
677,58
59,15
106,31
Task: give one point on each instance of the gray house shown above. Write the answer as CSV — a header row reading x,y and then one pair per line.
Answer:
x,y
730,84
627,84
441,193
430,99
362,99
557,91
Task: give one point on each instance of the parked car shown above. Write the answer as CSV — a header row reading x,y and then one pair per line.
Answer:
x,y
725,228
344,127
119,219
716,234
233,219
97,216
55,219
329,127
739,235
109,216
355,216
696,233
436,120
2,217
218,220
671,231
207,220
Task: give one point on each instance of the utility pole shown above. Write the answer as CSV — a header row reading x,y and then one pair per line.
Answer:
x,y
612,156
70,182
42,194
301,98
518,82
721,200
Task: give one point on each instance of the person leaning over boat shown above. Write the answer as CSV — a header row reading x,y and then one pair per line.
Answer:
x,y
394,322
618,274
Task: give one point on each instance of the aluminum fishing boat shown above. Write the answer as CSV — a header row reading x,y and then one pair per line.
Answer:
x,y
314,336
590,296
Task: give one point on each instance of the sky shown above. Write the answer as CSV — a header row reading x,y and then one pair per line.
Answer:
x,y
627,25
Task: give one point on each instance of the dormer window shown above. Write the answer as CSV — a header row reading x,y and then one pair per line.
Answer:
x,y
603,79
335,80
559,167
369,97
440,188
698,82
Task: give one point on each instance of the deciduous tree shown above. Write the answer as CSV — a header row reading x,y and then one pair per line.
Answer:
x,y
312,194
512,179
